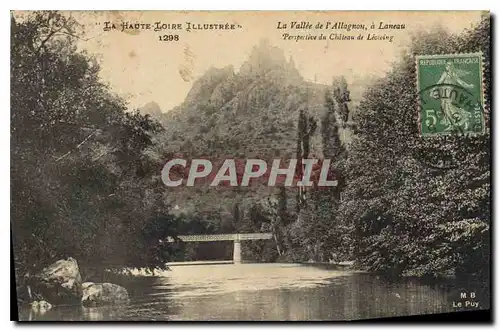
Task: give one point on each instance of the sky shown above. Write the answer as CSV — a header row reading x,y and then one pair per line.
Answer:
x,y
141,68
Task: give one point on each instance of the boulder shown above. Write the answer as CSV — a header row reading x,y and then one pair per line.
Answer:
x,y
87,285
97,294
59,283
38,308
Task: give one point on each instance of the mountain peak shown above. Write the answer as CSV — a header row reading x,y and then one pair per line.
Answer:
x,y
151,108
264,57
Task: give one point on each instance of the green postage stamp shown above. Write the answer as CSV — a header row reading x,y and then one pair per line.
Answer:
x,y
451,94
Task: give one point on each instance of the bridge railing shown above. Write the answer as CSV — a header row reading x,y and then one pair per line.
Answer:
x,y
223,237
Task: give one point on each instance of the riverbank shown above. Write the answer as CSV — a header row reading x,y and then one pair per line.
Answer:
x,y
269,292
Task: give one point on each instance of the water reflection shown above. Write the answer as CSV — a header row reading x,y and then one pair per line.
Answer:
x,y
266,292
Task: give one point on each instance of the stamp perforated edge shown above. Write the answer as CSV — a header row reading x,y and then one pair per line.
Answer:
x,y
418,57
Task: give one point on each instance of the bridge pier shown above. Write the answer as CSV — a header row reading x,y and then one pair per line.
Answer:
x,y
237,251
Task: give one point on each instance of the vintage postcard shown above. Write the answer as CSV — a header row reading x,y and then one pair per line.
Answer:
x,y
250,165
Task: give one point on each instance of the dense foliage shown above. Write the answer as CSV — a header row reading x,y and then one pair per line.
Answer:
x,y
81,182
411,214
318,234
404,205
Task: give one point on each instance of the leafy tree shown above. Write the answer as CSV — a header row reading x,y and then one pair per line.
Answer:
x,y
263,216
409,215
82,182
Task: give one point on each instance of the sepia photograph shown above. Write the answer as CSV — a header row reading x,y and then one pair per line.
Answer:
x,y
250,165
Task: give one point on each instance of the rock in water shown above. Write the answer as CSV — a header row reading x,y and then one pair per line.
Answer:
x,y
104,293
40,306
59,283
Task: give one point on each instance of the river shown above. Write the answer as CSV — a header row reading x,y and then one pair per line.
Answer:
x,y
258,292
